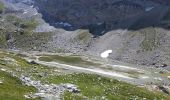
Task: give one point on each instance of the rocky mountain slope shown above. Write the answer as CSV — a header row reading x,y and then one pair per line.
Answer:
x,y
137,31
58,49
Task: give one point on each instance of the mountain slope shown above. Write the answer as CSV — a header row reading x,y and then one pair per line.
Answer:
x,y
136,31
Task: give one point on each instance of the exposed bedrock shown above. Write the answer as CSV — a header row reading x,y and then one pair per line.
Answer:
x,y
101,16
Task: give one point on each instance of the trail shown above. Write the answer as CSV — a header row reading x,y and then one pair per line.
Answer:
x,y
119,72
77,68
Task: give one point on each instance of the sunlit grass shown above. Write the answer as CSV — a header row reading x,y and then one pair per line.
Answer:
x,y
13,89
73,60
95,86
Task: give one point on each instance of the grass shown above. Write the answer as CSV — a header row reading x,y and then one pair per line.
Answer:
x,y
22,23
26,25
3,41
13,89
95,87
26,67
21,30
72,96
92,86
165,74
83,36
151,40
1,7
29,24
73,60
32,41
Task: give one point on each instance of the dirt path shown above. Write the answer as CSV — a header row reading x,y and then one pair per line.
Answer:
x,y
120,72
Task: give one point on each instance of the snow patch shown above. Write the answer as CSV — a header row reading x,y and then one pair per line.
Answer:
x,y
148,9
158,78
25,12
106,53
124,67
144,77
64,24
35,14
2,69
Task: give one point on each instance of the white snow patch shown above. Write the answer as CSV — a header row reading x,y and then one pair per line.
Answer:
x,y
158,78
37,94
149,9
9,59
168,77
35,13
2,69
144,77
32,6
27,96
106,53
25,11
124,67
2,20
64,24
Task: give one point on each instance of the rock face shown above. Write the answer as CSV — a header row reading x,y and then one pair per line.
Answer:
x,y
100,16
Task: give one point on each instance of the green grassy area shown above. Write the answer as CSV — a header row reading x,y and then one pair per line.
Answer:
x,y
95,87
165,74
92,86
83,36
1,7
21,66
21,30
26,25
151,40
23,23
13,89
73,60
33,41
3,41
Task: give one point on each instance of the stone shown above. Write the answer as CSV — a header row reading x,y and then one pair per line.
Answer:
x,y
164,65
163,89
